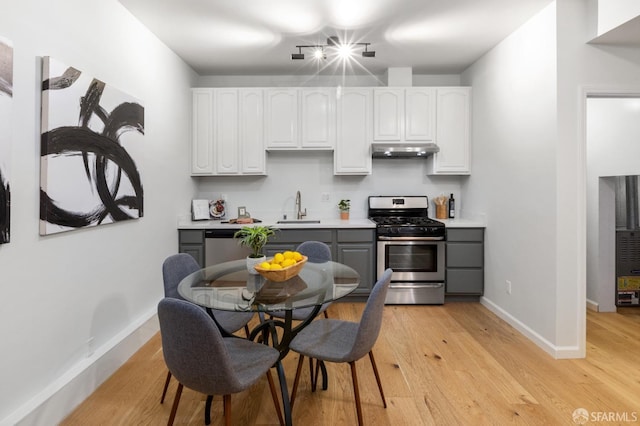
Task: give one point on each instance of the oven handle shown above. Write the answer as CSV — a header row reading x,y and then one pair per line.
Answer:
x,y
381,238
408,286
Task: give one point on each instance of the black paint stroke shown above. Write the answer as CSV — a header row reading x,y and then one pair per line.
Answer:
x,y
89,103
68,77
82,141
71,141
5,209
6,69
6,88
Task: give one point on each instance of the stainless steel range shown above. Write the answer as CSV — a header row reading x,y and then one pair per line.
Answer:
x,y
411,244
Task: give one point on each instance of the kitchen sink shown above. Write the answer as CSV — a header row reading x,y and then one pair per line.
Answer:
x,y
283,222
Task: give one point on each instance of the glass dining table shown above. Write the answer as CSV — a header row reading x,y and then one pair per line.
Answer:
x,y
229,286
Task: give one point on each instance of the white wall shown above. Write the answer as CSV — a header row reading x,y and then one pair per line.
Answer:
x,y
555,316
582,69
613,13
311,173
320,80
613,149
513,180
103,283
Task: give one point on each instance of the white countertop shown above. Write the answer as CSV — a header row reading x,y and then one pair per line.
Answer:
x,y
324,223
463,223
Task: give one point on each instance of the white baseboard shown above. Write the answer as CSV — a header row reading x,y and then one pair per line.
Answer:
x,y
61,397
557,352
593,306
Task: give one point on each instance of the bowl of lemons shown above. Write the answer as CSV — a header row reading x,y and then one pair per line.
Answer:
x,y
282,266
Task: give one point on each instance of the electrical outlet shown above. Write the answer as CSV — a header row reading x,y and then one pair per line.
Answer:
x,y
324,197
508,286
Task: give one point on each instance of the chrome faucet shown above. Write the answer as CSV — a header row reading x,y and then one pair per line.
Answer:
x,y
299,213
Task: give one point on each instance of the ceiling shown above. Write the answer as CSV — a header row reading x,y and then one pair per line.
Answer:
x,y
257,37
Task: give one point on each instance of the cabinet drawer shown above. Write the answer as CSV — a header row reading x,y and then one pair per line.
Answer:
x,y
465,255
467,234
465,281
191,237
300,235
356,235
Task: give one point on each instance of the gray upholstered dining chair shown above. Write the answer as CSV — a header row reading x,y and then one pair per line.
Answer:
x,y
202,360
317,252
345,341
174,269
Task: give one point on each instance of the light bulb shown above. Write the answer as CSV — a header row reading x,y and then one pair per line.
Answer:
x,y
345,51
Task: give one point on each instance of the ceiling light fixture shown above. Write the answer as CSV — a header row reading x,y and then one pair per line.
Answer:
x,y
298,55
368,53
344,50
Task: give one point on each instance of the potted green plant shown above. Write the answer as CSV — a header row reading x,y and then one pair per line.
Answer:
x,y
254,238
344,206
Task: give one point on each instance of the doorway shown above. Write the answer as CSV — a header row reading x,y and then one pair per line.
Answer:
x,y
612,150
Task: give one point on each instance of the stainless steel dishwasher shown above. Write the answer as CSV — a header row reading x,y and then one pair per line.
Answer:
x,y
221,247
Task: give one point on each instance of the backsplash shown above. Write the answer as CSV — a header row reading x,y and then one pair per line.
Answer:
x,y
311,173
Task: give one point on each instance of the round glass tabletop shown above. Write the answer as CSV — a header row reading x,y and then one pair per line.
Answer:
x,y
229,286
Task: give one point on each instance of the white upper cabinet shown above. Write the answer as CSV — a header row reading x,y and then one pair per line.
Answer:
x,y
404,114
226,153
420,114
300,118
251,132
202,132
453,124
281,118
352,155
388,110
317,118
233,127
228,137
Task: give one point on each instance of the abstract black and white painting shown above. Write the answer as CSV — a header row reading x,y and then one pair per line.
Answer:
x,y
6,98
87,175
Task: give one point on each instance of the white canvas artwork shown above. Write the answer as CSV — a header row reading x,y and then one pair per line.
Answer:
x,y
88,176
6,101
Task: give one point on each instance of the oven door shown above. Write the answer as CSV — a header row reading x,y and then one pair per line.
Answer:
x,y
418,270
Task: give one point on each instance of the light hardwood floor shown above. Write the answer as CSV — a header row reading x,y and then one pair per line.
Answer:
x,y
456,364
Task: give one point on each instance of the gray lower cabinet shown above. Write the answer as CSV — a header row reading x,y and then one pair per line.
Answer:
x,y
465,261
191,241
356,248
289,239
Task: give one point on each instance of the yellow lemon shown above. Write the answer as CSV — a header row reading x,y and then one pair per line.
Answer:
x,y
275,266
288,254
288,262
265,265
278,258
297,256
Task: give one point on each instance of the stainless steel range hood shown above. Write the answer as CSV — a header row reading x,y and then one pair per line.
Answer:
x,y
404,150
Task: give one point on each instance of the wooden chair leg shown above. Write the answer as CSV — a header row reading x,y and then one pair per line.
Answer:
x,y
227,410
176,401
356,392
295,382
326,315
274,395
375,371
207,410
246,331
166,386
